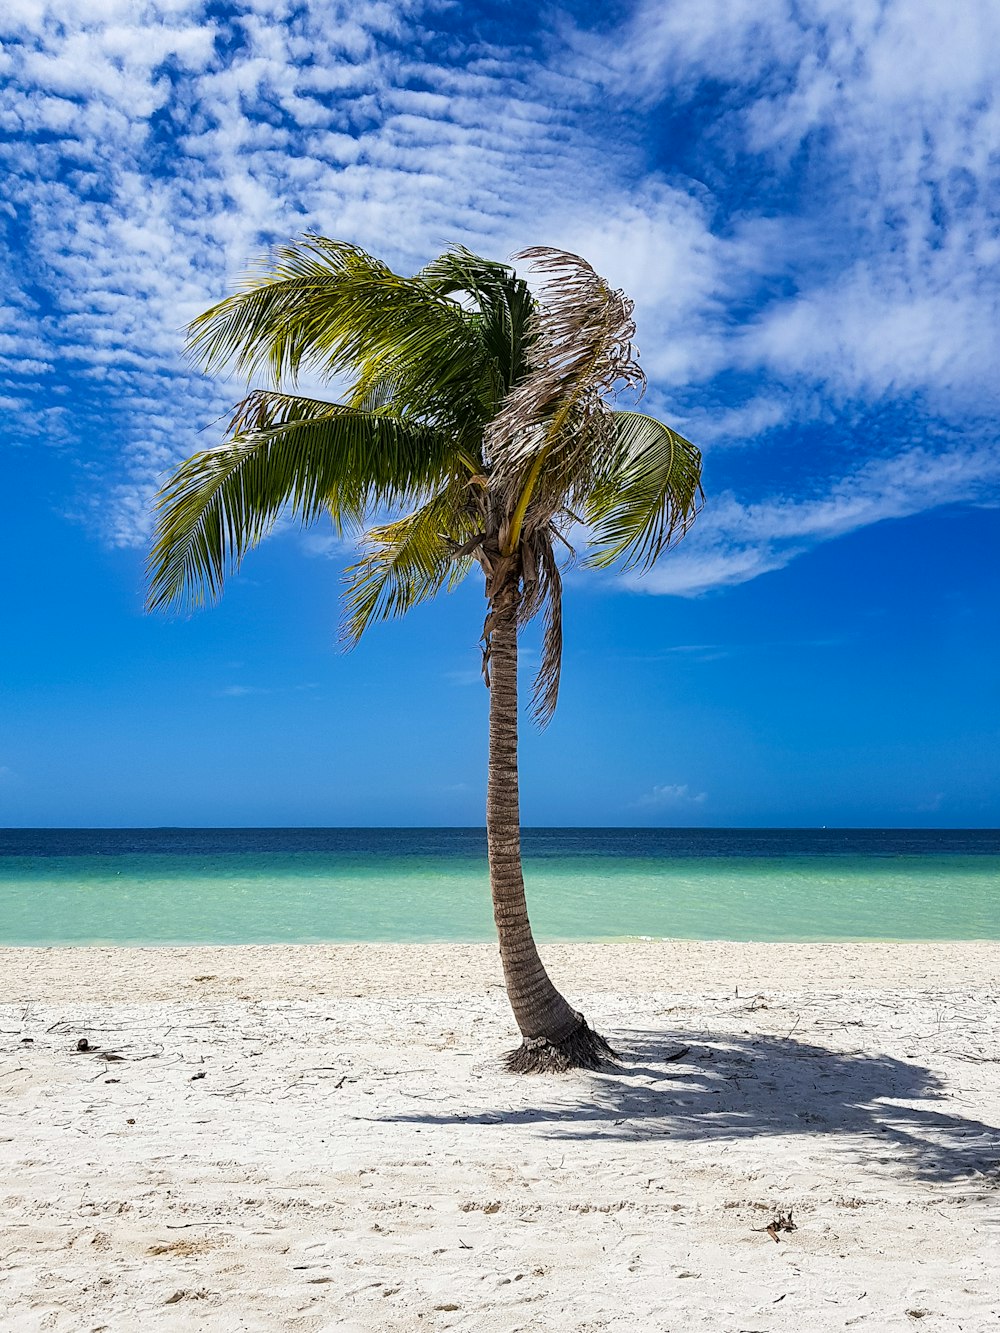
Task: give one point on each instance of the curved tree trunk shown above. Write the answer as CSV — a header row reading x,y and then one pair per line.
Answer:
x,y
554,1035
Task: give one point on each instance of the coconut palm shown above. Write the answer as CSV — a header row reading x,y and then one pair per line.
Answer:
x,y
475,431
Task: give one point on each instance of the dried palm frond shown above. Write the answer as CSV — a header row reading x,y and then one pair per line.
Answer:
x,y
580,350
541,593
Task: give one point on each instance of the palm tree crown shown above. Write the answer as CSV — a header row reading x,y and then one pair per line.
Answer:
x,y
475,417
476,429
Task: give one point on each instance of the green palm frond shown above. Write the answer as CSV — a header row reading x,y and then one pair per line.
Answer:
x,y
503,301
400,457
333,307
411,559
645,497
289,453
460,393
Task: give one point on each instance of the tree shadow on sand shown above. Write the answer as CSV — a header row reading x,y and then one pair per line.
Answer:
x,y
736,1087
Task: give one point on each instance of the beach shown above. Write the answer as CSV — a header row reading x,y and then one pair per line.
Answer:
x,y
323,1137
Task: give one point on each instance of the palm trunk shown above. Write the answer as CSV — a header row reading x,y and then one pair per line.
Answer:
x,y
554,1035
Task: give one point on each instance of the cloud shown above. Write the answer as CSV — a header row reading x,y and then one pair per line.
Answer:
x,y
734,426
872,334
932,803
873,126
657,243
327,545
735,541
246,691
153,152
825,242
464,677
673,795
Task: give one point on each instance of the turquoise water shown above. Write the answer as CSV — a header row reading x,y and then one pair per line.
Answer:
x,y
238,886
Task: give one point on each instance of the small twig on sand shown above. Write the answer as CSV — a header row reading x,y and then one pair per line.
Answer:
x,y
676,1055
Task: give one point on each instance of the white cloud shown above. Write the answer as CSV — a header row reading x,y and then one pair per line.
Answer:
x,y
889,113
869,337
658,245
327,545
734,541
932,803
672,796
145,168
734,426
464,677
313,121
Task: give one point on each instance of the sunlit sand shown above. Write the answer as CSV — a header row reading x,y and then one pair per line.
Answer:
x,y
801,1137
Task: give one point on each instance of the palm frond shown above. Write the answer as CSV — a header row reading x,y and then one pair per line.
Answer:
x,y
289,453
581,349
503,301
645,497
463,393
335,308
411,559
541,591
399,458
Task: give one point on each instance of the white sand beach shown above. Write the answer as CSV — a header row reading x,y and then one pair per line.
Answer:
x,y
313,1138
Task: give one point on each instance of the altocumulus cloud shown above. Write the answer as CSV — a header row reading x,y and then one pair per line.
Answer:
x,y
821,245
874,126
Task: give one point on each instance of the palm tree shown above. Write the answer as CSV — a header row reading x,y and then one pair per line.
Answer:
x,y
476,428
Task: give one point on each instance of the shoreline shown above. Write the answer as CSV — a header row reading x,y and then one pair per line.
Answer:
x,y
544,942
322,1138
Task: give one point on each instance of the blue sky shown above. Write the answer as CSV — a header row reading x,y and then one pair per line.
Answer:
x,y
801,198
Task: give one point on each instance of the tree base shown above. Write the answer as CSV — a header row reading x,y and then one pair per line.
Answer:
x,y
582,1049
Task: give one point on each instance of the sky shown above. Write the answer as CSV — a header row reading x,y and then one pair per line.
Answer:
x,y
802,198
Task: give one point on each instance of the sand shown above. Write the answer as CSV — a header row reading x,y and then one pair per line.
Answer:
x,y
322,1138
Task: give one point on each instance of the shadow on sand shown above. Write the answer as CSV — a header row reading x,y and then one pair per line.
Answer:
x,y
736,1087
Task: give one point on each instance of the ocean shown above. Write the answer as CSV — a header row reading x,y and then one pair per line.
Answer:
x,y
242,886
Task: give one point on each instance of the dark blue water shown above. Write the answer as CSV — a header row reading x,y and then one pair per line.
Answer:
x,y
463,842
